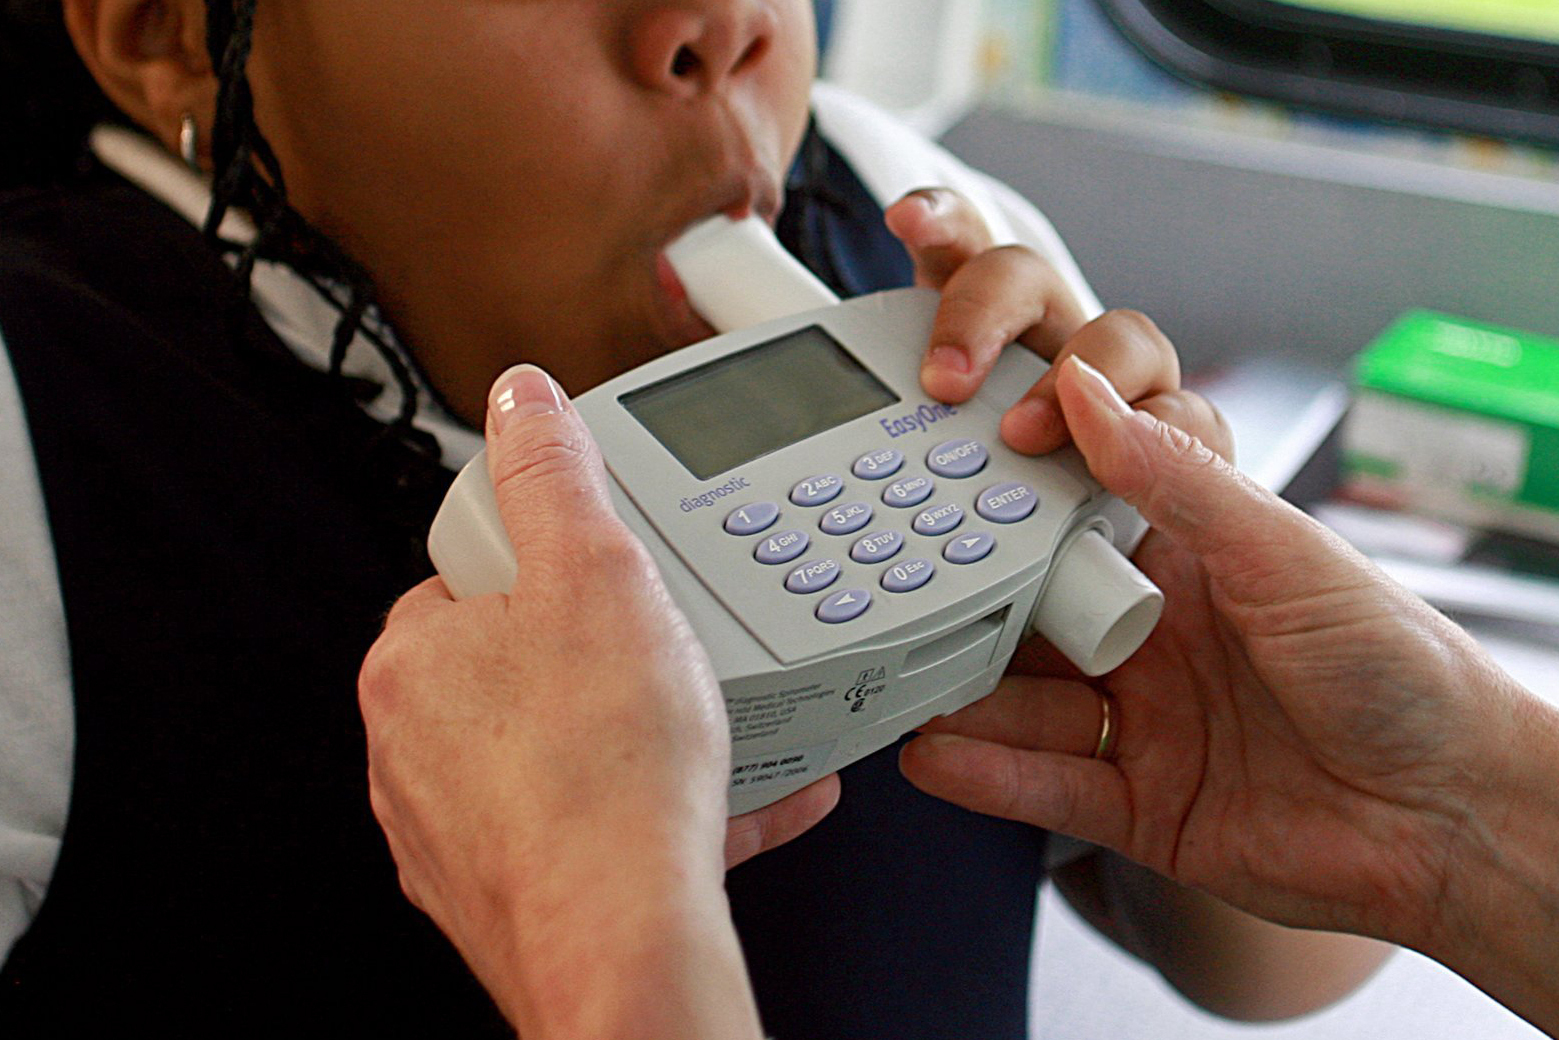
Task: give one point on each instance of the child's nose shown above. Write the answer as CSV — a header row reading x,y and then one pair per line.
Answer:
x,y
696,46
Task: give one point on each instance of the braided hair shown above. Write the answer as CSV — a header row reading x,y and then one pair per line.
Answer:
x,y
49,103
246,174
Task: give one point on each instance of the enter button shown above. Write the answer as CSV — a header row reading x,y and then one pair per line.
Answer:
x,y
1006,503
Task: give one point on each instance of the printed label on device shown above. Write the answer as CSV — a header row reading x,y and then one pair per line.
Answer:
x,y
781,766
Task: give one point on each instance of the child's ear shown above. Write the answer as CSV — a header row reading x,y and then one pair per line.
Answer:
x,y
150,59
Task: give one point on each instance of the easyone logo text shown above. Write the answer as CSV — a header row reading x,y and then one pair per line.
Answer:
x,y
918,420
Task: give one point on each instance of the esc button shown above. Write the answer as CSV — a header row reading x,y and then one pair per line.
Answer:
x,y
907,576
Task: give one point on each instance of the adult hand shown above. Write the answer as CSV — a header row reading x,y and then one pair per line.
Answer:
x,y
1300,736
550,766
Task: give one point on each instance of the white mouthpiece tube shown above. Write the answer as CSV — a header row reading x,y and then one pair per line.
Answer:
x,y
1097,608
737,274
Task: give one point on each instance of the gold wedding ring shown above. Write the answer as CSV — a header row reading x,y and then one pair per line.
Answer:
x,y
1109,726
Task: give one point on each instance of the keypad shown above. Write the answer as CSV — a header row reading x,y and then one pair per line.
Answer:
x,y
877,546
957,459
814,491
781,548
939,519
875,465
751,518
812,576
844,606
880,547
969,547
907,576
1006,503
846,519
911,491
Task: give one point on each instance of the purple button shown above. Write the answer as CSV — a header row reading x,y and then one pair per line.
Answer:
x,y
781,548
1006,503
814,491
971,547
844,606
876,547
875,465
939,519
846,519
752,518
960,458
911,491
907,576
812,575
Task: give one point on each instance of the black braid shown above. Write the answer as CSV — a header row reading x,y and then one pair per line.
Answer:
x,y
247,175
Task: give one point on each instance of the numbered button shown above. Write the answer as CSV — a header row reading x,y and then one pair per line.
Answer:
x,y
971,547
911,491
875,465
938,519
844,606
907,576
812,575
957,459
1006,503
876,547
752,518
814,491
846,519
781,548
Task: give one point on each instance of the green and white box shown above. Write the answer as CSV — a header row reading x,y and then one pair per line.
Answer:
x,y
1459,419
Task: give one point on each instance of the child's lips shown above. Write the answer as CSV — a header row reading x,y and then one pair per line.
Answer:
x,y
685,324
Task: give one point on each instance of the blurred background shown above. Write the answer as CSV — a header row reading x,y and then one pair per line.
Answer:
x,y
1346,215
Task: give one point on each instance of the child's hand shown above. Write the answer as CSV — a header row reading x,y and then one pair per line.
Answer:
x,y
993,296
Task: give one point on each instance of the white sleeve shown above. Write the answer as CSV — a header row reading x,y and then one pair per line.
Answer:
x,y
37,713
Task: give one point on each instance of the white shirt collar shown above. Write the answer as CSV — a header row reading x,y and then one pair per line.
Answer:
x,y
289,305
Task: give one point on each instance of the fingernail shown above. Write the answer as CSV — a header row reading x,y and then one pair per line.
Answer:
x,y
1100,389
523,390
949,359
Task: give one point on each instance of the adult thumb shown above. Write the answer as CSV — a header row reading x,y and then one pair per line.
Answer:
x,y
545,467
1255,545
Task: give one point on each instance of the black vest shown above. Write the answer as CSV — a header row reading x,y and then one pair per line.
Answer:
x,y
228,542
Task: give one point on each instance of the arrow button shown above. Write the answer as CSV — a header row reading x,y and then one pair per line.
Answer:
x,y
844,606
971,548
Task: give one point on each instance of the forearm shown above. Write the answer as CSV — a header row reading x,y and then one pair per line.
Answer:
x,y
1220,958
1497,923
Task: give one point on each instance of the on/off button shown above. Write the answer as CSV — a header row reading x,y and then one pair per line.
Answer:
x,y
955,459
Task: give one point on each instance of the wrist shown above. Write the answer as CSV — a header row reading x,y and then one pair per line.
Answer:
x,y
622,937
1497,921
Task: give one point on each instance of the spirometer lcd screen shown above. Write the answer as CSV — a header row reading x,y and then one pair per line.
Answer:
x,y
740,407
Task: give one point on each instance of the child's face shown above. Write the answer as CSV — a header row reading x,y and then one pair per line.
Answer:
x,y
510,170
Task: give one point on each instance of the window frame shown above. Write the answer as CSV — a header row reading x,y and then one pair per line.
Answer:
x,y
1397,72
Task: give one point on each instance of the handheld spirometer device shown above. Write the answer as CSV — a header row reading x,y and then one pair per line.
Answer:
x,y
856,558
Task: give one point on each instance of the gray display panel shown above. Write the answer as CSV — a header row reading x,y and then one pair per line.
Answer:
x,y
746,405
